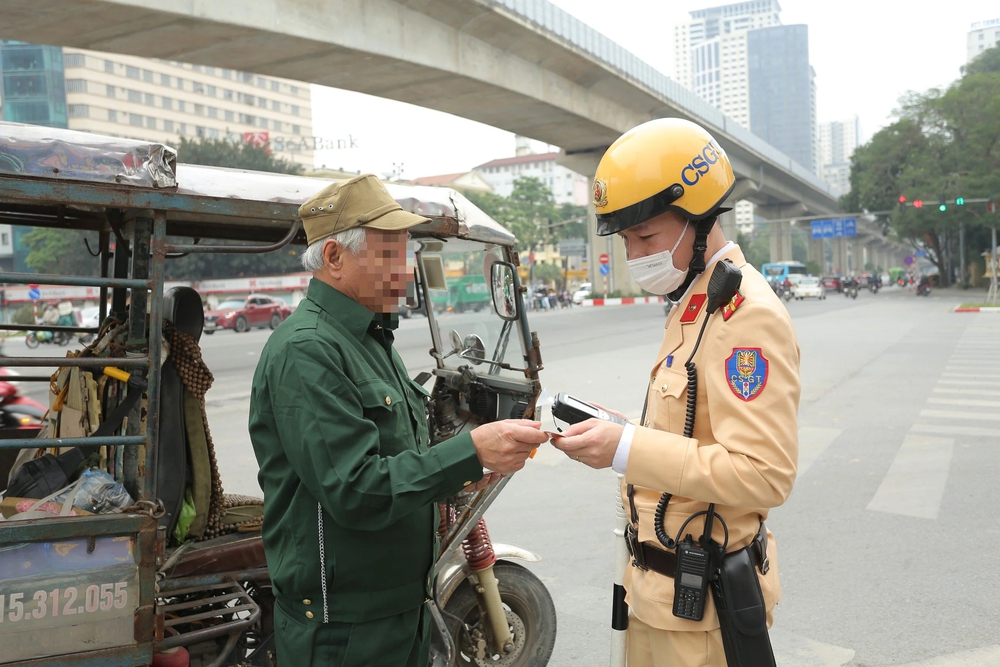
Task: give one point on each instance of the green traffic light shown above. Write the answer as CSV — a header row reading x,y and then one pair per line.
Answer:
x,y
959,201
943,208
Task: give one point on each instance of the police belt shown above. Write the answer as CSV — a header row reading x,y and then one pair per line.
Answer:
x,y
647,557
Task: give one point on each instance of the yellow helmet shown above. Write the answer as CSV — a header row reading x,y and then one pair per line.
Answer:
x,y
668,164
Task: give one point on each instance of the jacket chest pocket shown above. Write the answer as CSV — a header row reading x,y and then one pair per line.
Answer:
x,y
383,405
667,401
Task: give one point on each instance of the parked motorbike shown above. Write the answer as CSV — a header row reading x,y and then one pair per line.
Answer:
x,y
36,338
16,409
924,288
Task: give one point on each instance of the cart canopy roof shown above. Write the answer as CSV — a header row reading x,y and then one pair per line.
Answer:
x,y
64,178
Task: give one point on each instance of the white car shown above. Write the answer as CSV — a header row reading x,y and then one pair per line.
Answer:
x,y
90,317
582,293
809,286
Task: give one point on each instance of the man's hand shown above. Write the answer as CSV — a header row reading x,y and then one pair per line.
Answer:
x,y
593,442
488,478
611,412
503,446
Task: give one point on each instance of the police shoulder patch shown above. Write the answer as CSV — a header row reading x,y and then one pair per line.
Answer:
x,y
746,372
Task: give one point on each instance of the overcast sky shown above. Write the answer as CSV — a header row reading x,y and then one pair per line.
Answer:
x,y
866,54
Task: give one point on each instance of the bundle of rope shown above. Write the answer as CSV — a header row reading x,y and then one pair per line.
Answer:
x,y
197,378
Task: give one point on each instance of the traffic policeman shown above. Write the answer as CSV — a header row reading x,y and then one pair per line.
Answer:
x,y
661,187
341,438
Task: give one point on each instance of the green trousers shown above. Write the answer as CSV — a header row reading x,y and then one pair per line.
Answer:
x,y
397,641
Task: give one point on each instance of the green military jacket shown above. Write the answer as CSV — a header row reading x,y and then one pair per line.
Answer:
x,y
341,437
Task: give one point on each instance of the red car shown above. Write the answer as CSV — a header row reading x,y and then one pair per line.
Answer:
x,y
832,283
240,315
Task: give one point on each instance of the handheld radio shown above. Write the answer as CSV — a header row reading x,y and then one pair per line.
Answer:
x,y
691,579
572,410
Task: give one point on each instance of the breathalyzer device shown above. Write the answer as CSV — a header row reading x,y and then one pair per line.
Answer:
x,y
572,410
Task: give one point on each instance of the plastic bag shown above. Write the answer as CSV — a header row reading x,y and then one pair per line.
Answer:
x,y
100,493
184,518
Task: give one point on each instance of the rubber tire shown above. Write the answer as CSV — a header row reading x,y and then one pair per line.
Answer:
x,y
31,341
275,321
209,331
241,325
526,596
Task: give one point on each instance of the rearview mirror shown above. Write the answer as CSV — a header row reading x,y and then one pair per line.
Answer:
x,y
413,295
504,289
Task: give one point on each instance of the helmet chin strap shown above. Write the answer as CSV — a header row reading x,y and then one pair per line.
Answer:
x,y
696,267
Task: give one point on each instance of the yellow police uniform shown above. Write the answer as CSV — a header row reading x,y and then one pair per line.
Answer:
x,y
742,457
744,447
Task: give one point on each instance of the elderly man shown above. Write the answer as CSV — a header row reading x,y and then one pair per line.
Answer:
x,y
340,433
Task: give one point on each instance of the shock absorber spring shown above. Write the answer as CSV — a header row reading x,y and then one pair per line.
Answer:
x,y
478,548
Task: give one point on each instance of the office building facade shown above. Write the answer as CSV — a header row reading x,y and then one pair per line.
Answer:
x,y
982,35
567,187
837,142
160,100
32,89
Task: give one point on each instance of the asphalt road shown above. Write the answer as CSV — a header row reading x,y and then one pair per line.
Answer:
x,y
888,543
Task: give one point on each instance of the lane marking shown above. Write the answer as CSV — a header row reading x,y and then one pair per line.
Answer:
x,y
791,648
942,429
916,479
987,656
973,392
813,441
964,401
967,383
954,414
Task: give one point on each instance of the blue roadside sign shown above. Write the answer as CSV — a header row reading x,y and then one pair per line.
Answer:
x,y
908,260
834,228
605,269
34,294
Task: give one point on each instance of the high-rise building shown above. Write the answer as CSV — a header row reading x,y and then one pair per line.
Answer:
x,y
783,91
160,100
982,35
837,142
32,89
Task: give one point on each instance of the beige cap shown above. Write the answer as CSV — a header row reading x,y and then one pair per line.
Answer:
x,y
360,201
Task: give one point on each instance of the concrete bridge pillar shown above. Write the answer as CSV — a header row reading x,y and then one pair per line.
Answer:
x,y
840,263
728,223
781,241
814,253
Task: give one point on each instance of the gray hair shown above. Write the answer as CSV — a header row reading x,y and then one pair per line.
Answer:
x,y
349,239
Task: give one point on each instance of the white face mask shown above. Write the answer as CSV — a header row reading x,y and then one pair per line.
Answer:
x,y
656,273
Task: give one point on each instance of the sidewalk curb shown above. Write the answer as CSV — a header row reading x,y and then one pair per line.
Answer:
x,y
978,309
624,301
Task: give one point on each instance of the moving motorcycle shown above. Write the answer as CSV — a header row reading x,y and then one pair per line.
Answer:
x,y
851,288
924,287
35,338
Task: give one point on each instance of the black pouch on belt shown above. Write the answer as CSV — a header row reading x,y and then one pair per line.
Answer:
x,y
742,615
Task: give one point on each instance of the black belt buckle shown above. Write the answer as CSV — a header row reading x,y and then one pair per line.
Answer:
x,y
760,547
634,547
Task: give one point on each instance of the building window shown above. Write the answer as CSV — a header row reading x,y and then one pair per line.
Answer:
x,y
277,125
147,76
230,116
294,90
195,68
182,129
112,115
262,122
168,126
261,102
168,103
164,79
213,133
247,119
227,74
131,72
275,105
150,99
73,60
109,66
227,94
180,83
245,77
211,91
150,122
274,86
76,86
135,119
134,96
76,111
261,83
199,131
295,109
296,129
213,112
210,70
181,106
199,109
197,87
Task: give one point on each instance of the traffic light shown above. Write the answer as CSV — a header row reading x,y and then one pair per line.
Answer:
x,y
918,203
902,203
942,205
959,201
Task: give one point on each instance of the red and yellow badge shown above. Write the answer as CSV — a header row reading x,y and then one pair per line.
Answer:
x,y
600,193
730,308
694,307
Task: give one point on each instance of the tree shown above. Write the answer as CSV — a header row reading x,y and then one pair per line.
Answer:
x,y
236,155
61,251
945,142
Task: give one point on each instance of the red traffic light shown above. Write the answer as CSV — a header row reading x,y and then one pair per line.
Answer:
x,y
902,199
918,203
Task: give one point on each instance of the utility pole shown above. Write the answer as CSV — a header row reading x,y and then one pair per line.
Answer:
x,y
991,298
961,253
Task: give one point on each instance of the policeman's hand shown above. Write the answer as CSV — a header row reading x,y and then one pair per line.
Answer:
x,y
592,442
610,411
503,446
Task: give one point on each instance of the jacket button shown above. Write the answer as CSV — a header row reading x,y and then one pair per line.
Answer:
x,y
388,401
307,601
466,483
309,614
664,387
